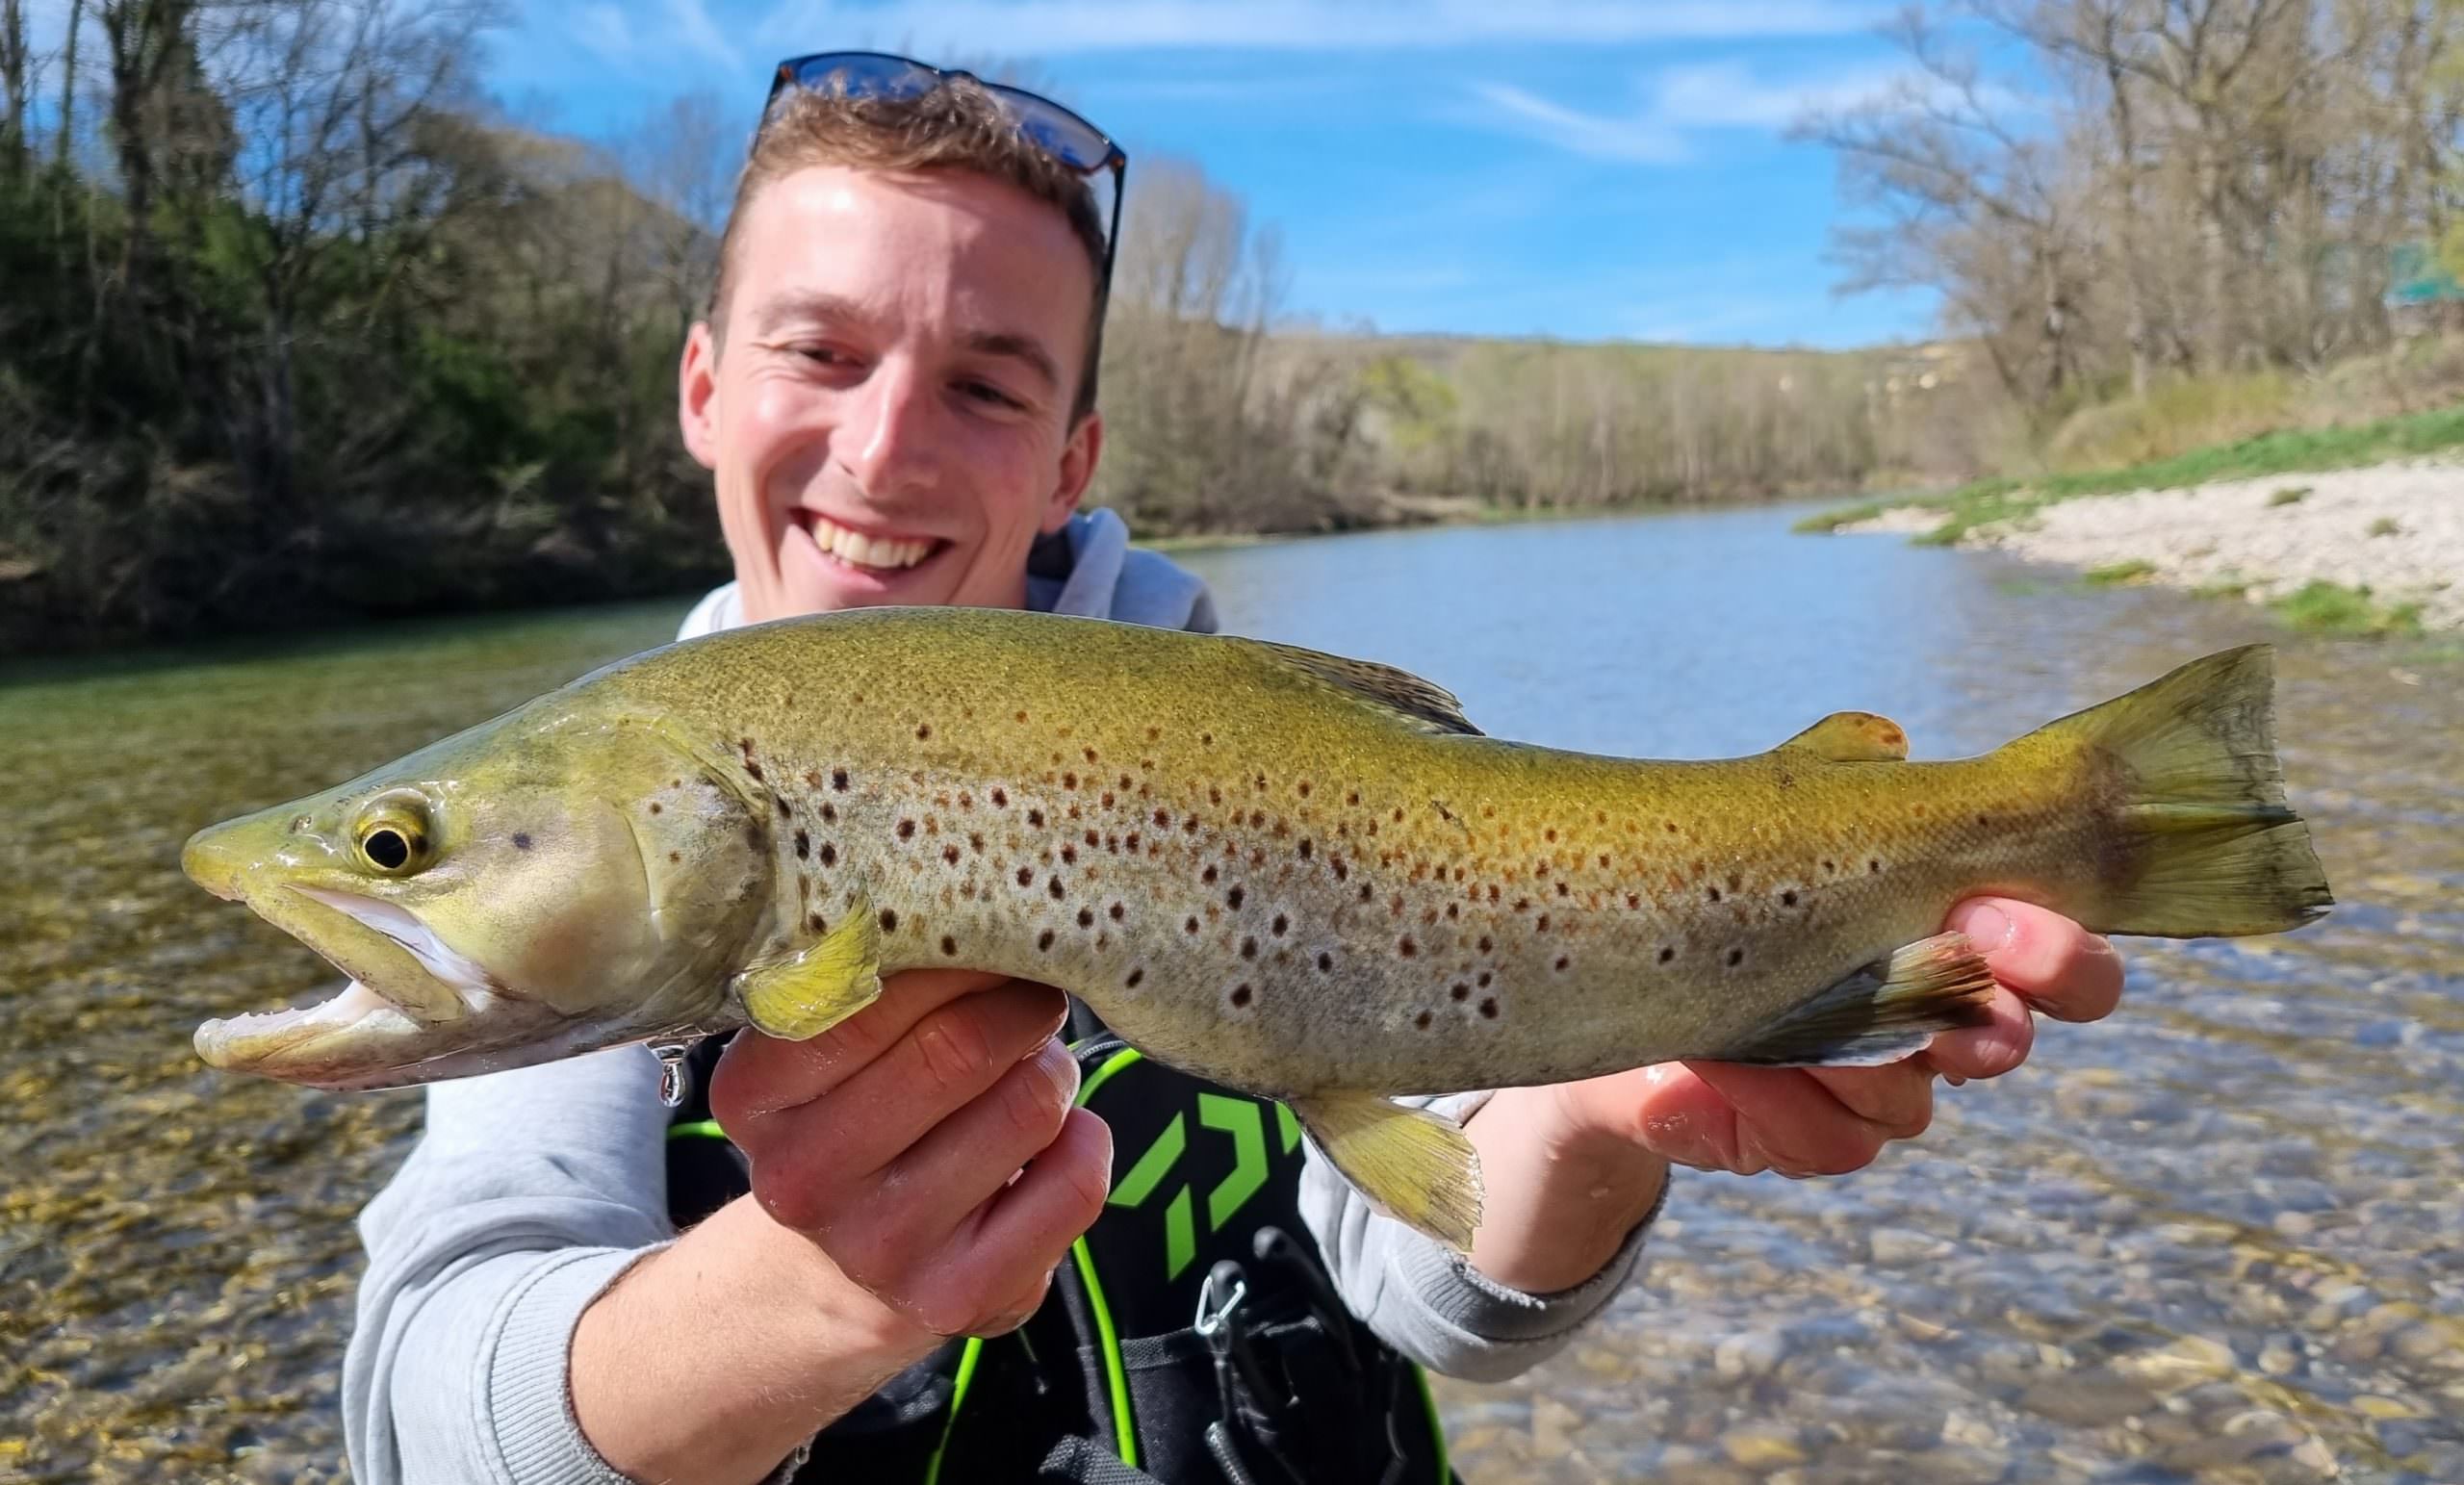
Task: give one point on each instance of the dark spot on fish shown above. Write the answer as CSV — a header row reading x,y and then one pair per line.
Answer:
x,y
1714,893
1163,819
1562,962
1343,868
817,923
1666,954
657,806
1634,900
1453,910
906,829
1983,822
1190,927
1135,976
1054,886
1232,898
1788,899
1035,817
1207,876
1405,947
1420,1021
1241,994
949,946
1044,940
1487,943
1091,754
839,780
1873,867
1085,917
1737,956
1565,890
675,858
522,840
1522,905
1364,893
1325,961
1280,924
1489,1009
1461,990
1736,884
1830,866
1248,948
1543,925
1485,977
1131,841
1026,876
1398,814
889,920
1070,855
1352,797
1305,848
1304,788
804,845
950,855
829,854
1069,780
1116,911
829,812
1549,835
1672,826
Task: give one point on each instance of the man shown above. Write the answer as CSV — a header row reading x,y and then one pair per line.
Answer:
x,y
894,394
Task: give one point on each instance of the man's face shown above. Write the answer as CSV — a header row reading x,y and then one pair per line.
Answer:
x,y
886,414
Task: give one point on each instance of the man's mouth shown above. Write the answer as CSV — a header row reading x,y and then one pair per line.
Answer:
x,y
849,547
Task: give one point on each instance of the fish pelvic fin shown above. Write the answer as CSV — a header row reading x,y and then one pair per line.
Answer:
x,y
2207,844
1853,737
1884,1012
1413,1165
801,996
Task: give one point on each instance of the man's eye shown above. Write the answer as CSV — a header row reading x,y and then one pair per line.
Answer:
x,y
986,392
824,355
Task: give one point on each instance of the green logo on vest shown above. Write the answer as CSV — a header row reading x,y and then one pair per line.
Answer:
x,y
1243,1120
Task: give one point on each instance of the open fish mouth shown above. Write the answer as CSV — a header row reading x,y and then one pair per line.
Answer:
x,y
413,1002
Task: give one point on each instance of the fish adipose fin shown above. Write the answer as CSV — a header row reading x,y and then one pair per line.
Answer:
x,y
806,993
2208,845
1412,1165
1880,1013
1853,737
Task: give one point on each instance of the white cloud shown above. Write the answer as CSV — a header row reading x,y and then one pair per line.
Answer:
x,y
1047,28
1679,103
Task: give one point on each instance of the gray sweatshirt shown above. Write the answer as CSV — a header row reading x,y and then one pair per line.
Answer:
x,y
531,1191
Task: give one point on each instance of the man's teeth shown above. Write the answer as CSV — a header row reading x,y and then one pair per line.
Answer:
x,y
861,551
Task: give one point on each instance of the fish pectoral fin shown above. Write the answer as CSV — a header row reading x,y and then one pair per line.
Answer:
x,y
1413,1165
1853,737
1880,1013
806,993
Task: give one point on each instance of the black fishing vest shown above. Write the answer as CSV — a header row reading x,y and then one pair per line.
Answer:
x,y
1193,1337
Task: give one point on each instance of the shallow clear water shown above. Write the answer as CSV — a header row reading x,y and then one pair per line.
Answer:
x,y
2215,1236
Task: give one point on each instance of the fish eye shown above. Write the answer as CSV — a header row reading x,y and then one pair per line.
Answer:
x,y
392,838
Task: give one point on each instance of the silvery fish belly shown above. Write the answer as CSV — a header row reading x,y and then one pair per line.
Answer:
x,y
1303,876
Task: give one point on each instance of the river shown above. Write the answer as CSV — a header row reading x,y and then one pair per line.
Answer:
x,y
2213,1238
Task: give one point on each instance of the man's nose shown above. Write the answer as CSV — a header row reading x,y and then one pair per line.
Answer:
x,y
891,443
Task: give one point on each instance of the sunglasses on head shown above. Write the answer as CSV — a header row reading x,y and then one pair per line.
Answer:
x,y
1055,130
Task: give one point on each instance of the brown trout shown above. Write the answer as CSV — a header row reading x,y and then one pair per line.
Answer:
x,y
1301,876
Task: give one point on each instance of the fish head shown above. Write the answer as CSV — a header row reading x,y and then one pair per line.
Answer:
x,y
555,881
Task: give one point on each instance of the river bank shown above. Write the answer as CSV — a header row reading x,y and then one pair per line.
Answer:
x,y
2373,550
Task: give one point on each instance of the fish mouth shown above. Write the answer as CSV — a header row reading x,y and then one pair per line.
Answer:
x,y
415,1010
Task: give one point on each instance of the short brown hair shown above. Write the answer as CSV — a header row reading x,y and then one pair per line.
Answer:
x,y
955,125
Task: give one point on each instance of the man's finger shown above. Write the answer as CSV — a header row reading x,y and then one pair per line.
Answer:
x,y
760,1074
968,1157
1027,1228
2057,966
1990,1050
1792,1120
1896,1098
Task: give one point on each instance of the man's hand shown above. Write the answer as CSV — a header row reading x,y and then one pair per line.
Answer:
x,y
891,1142
889,1210
1622,1130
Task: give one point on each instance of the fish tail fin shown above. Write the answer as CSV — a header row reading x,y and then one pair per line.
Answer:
x,y
2207,844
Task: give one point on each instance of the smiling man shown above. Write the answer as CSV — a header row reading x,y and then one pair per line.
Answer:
x,y
895,392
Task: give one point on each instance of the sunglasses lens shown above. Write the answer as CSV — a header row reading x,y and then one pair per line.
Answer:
x,y
865,76
1069,137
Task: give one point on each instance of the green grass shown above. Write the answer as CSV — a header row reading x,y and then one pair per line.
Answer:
x,y
2386,526
2290,495
2331,608
2287,451
2116,574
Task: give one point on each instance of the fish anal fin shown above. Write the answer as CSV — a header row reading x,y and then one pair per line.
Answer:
x,y
1422,704
1882,1012
1413,1165
802,995
1853,737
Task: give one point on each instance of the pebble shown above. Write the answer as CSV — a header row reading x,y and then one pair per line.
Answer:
x,y
1899,1245
1763,1445
2093,1398
1553,1425
1753,1354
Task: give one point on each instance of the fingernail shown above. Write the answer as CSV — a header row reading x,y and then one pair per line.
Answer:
x,y
1987,926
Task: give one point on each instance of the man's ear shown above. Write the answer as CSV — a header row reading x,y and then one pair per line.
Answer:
x,y
1078,459
697,391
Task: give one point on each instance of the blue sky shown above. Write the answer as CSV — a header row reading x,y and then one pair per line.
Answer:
x,y
1579,168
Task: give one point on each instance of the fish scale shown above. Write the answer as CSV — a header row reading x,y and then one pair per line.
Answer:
x,y
1295,874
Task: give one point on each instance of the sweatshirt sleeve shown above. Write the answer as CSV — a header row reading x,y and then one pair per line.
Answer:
x,y
529,1192
1426,1300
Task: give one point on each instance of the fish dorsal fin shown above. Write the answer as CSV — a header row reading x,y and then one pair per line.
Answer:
x,y
1853,737
1420,704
